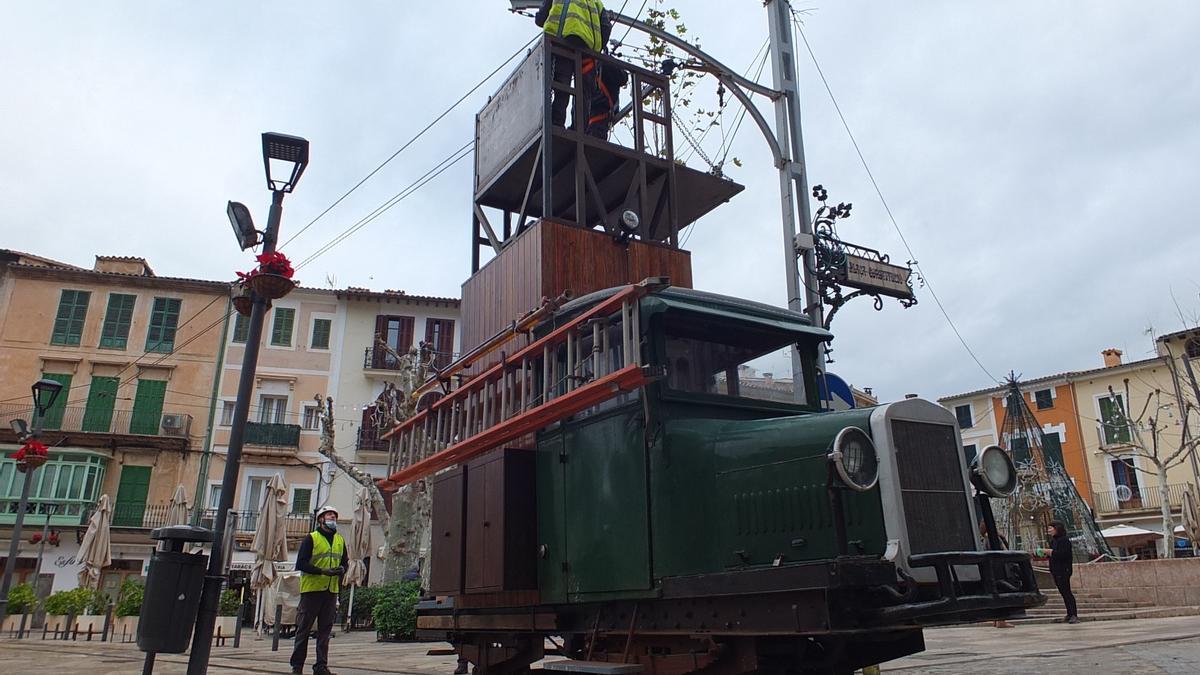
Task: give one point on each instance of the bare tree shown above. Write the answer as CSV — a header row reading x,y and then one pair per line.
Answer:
x,y
1150,437
407,528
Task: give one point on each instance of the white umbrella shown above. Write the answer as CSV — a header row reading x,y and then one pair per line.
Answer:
x,y
1191,514
177,509
1124,531
270,539
96,550
358,546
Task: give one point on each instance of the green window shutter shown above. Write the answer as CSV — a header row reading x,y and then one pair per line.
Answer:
x,y
281,328
102,396
301,500
241,328
320,333
130,506
68,323
117,319
147,407
54,414
164,318
1115,429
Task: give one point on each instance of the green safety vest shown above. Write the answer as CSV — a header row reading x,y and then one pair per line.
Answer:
x,y
582,21
326,557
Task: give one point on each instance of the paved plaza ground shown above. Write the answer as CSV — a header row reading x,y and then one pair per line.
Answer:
x,y
1138,646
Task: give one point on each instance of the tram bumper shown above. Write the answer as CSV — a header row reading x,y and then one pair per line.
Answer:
x,y
1004,587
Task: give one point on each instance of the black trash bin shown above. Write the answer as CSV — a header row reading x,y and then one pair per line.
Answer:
x,y
173,587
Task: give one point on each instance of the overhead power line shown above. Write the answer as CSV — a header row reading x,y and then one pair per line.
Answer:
x,y
412,140
912,256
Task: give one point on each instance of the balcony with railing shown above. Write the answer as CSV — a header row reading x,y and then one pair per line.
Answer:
x,y
369,441
150,516
102,421
272,435
1128,499
379,358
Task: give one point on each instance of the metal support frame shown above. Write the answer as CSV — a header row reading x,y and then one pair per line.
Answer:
x,y
787,149
14,545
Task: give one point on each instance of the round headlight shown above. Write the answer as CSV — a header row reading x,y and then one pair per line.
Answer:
x,y
993,472
854,458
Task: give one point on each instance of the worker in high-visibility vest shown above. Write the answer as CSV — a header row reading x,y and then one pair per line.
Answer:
x,y
579,22
322,561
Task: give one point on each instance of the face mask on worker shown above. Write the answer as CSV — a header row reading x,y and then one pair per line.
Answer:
x,y
330,524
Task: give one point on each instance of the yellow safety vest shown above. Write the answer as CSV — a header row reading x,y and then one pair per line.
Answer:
x,y
324,556
582,21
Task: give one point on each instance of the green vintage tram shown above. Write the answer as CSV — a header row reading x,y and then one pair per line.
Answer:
x,y
704,523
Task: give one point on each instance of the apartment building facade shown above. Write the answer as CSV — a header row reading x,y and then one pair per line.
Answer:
x,y
136,354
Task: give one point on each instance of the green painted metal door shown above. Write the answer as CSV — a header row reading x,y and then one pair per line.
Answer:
x,y
54,414
552,577
131,496
147,407
102,396
606,521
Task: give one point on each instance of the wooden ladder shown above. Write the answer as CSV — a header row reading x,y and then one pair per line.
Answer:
x,y
529,390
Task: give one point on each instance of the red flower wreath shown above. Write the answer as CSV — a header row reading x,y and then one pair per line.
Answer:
x,y
31,447
270,263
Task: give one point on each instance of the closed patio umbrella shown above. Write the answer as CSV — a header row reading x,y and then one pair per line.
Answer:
x,y
358,547
177,509
1191,514
270,540
96,550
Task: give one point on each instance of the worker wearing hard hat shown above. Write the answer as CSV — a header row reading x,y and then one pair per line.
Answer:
x,y
322,561
579,23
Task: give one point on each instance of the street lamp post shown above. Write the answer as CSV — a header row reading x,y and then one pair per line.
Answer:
x,y
284,159
45,392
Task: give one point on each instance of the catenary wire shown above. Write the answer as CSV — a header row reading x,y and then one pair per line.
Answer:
x,y
412,140
886,207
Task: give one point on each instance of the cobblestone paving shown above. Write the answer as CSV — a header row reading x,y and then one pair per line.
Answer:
x,y
1157,646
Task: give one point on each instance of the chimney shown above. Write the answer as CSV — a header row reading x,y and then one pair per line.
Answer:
x,y
768,379
1112,357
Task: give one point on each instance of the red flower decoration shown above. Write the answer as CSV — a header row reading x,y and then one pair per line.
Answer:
x,y
31,447
270,263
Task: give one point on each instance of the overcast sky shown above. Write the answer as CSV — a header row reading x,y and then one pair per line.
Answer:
x,y
1037,156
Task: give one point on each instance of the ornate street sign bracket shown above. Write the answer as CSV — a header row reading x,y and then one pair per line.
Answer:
x,y
842,265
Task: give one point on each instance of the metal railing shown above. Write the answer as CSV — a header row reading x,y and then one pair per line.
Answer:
x,y
1142,498
378,358
273,435
60,511
368,440
99,421
151,516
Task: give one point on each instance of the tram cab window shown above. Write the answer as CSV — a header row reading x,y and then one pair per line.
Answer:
x,y
706,357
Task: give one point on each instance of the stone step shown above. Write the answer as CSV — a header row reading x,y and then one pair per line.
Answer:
x,y
1116,615
1098,604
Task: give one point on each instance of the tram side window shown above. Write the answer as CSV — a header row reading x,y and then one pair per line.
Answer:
x,y
703,358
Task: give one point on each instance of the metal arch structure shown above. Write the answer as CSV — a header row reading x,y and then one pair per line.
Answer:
x,y
786,143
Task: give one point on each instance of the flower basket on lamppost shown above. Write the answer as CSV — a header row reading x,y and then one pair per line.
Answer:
x,y
273,277
31,455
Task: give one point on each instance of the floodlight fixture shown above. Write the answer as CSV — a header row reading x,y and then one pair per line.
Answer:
x,y
284,159
45,393
19,428
994,473
243,225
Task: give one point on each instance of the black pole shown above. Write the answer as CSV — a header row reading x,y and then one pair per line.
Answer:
x,y
14,544
989,520
275,632
210,597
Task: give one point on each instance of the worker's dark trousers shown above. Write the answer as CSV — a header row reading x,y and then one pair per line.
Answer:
x,y
1063,582
321,607
564,70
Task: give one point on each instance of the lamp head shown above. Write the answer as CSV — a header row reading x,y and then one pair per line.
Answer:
x,y
284,159
243,225
45,393
19,428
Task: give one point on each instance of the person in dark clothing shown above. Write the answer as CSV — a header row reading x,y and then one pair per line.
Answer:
x,y
579,22
1061,566
322,561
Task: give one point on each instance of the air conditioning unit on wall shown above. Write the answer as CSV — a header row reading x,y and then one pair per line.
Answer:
x,y
174,425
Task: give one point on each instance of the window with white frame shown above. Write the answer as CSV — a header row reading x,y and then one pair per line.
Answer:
x,y
966,419
302,500
311,420
1044,399
227,413
272,409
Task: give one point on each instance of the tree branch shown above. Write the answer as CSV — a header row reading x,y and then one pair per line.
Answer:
x,y
356,474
